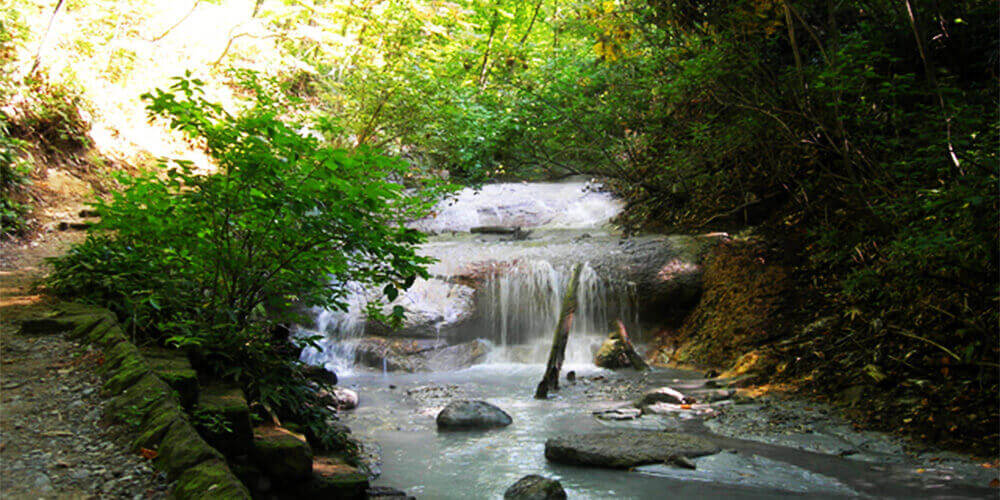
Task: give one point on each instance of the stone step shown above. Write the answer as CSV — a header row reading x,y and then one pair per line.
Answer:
x,y
174,367
283,456
333,477
222,416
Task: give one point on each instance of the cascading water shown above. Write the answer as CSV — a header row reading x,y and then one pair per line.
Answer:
x,y
519,305
491,287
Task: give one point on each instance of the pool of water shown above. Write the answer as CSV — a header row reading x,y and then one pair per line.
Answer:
x,y
397,412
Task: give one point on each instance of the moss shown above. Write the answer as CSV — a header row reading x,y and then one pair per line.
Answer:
x,y
224,418
175,369
133,404
742,306
156,424
282,455
345,486
125,375
122,354
52,323
182,448
210,479
109,337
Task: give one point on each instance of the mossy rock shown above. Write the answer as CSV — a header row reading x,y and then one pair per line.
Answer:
x,y
108,337
182,448
156,424
333,478
76,309
125,375
210,479
134,403
53,323
116,357
283,456
175,369
219,405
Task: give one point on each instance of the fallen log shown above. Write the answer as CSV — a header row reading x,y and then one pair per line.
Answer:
x,y
550,381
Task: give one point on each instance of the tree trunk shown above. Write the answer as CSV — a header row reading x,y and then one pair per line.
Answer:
x,y
550,381
41,44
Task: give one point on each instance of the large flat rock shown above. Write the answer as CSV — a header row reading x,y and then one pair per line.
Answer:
x,y
625,448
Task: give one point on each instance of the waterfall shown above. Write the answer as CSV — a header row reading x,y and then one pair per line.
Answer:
x,y
518,308
488,287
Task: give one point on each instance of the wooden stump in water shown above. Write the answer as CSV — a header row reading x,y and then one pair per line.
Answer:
x,y
550,381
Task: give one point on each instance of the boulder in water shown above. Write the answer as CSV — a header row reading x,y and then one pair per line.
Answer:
x,y
664,395
467,415
626,448
346,398
534,487
618,352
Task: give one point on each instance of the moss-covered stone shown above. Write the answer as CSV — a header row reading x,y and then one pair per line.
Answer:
x,y
333,478
76,308
133,404
53,322
125,375
223,417
156,424
121,354
108,337
210,479
283,456
182,448
175,369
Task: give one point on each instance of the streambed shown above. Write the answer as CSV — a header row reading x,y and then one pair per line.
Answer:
x,y
506,292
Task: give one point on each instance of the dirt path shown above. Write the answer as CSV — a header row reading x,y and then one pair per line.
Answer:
x,y
53,442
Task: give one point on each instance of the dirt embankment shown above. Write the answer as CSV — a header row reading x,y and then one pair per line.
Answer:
x,y
759,318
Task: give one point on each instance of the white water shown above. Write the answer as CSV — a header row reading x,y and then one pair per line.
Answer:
x,y
520,284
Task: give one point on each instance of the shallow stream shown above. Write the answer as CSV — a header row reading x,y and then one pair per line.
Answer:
x,y
507,290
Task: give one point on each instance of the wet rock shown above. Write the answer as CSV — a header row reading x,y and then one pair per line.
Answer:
x,y
619,414
457,356
412,355
465,414
625,448
346,398
534,487
320,374
571,376
386,493
680,461
664,395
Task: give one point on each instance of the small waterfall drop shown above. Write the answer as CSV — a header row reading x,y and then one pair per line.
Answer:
x,y
504,291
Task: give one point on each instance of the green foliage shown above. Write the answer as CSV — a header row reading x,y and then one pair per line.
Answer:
x,y
213,260
14,173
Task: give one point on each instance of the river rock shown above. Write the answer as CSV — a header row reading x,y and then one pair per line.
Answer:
x,y
346,398
464,414
613,354
625,448
664,395
534,487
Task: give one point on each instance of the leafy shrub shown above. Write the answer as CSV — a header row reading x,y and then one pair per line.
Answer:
x,y
215,261
14,173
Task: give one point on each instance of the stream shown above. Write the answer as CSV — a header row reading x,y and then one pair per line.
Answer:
x,y
501,293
